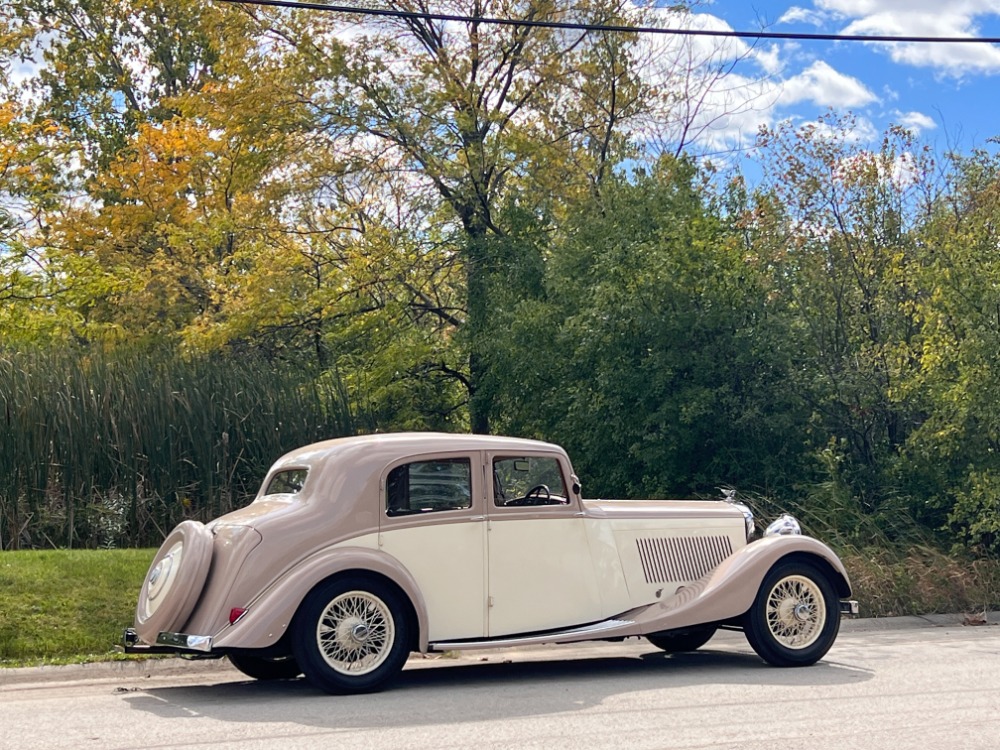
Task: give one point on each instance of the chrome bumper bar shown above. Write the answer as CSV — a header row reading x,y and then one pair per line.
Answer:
x,y
167,643
849,607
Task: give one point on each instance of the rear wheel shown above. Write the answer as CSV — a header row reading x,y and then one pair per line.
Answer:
x,y
680,641
795,618
351,635
261,668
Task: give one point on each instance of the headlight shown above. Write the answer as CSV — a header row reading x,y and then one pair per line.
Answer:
x,y
784,526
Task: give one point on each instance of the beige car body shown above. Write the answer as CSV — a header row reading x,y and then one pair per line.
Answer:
x,y
485,575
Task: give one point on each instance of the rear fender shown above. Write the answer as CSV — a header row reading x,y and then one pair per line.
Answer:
x,y
269,615
730,589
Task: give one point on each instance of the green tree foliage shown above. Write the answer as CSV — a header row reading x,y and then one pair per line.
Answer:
x,y
107,66
652,352
474,114
953,459
839,227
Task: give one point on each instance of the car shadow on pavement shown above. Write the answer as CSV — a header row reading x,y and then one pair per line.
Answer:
x,y
460,691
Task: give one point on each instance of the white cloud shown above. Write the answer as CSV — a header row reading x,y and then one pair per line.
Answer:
x,y
768,84
826,87
771,59
923,18
916,122
795,14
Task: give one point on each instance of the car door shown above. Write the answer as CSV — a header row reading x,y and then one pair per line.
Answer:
x,y
433,522
540,571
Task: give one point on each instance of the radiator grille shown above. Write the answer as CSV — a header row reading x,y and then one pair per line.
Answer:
x,y
681,558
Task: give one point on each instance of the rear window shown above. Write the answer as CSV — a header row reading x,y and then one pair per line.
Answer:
x,y
288,482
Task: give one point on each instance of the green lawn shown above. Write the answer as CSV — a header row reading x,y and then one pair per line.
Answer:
x,y
60,606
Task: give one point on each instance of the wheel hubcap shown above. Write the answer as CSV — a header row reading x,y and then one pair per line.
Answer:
x,y
161,579
796,612
355,633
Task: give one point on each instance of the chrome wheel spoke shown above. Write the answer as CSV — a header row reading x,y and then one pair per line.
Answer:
x,y
796,612
355,633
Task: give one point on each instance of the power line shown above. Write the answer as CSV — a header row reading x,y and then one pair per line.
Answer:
x,y
612,28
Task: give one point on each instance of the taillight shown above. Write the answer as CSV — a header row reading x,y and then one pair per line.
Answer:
x,y
235,614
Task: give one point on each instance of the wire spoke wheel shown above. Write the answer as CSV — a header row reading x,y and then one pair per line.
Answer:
x,y
352,634
796,612
794,619
355,633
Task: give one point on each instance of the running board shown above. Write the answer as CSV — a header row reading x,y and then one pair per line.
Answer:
x,y
584,633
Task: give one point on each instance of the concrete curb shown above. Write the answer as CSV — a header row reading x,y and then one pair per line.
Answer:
x,y
914,622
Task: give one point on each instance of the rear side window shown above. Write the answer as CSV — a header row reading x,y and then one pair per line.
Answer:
x,y
428,486
289,482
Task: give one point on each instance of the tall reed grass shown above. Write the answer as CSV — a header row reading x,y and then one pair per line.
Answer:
x,y
115,449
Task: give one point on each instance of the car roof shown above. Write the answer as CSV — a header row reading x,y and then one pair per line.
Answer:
x,y
388,446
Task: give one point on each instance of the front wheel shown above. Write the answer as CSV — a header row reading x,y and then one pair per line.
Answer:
x,y
351,635
795,618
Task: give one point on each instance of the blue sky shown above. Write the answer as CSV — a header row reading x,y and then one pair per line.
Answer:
x,y
946,94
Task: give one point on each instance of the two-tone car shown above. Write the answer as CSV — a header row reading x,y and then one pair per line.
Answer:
x,y
358,551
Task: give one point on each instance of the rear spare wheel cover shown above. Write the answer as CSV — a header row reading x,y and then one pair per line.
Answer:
x,y
174,581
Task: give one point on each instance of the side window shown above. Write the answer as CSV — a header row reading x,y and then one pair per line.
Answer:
x,y
428,486
528,480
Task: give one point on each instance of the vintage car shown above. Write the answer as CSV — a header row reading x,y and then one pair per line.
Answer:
x,y
358,551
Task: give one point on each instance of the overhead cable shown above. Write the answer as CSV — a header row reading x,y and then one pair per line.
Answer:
x,y
610,28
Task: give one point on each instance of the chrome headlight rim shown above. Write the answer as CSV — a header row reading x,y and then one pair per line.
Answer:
x,y
784,525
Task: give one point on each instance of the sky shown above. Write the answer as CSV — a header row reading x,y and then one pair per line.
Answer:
x,y
947,95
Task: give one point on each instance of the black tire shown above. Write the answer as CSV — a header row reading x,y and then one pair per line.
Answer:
x,y
351,635
261,668
681,641
795,617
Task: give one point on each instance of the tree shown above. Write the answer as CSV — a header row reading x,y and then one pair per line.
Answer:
x,y
952,461
653,352
839,225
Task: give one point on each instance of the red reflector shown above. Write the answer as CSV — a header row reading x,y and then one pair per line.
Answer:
x,y
235,614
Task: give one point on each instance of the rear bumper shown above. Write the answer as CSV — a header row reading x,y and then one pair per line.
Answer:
x,y
849,607
167,643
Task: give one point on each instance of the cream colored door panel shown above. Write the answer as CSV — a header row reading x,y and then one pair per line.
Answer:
x,y
447,562
540,575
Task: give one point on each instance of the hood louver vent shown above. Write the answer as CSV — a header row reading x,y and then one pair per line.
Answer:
x,y
681,558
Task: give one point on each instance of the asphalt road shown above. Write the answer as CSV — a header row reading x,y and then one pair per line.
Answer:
x,y
897,684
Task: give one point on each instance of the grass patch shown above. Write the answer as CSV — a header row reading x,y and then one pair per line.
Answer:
x,y
62,606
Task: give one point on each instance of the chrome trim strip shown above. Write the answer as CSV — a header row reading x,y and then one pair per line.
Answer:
x,y
185,641
533,639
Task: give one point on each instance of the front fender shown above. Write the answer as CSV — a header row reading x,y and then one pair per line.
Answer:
x,y
730,589
268,616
